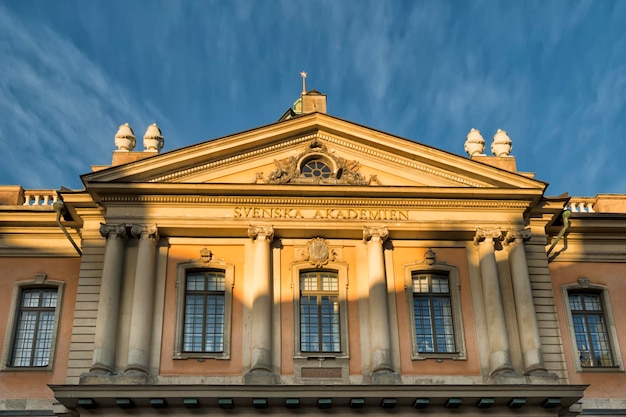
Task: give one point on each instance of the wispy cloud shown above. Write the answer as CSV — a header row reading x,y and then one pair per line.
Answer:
x,y
59,109
551,74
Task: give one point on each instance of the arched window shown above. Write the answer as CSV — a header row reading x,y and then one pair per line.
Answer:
x,y
316,168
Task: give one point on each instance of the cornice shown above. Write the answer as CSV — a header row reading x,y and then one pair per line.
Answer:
x,y
104,395
316,202
330,139
232,159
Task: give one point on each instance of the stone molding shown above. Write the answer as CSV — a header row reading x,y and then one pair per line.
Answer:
x,y
483,234
370,232
113,230
149,231
513,235
338,141
289,170
255,231
318,252
315,202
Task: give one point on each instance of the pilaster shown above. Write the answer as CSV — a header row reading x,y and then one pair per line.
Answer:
x,y
524,305
108,304
261,329
143,299
380,335
499,349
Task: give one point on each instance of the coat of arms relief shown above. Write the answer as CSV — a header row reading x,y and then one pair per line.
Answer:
x,y
318,253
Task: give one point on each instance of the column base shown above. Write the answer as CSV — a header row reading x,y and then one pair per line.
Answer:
x,y
134,378
506,377
259,377
385,378
136,371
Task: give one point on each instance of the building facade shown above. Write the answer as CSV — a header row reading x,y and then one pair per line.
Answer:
x,y
310,266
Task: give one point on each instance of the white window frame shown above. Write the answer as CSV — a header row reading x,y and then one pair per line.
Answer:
x,y
181,276
9,340
585,286
452,273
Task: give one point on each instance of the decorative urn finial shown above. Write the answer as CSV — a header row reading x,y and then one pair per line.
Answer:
x,y
474,143
153,139
502,144
125,138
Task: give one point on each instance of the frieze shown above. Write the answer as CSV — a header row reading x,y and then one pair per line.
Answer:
x,y
329,213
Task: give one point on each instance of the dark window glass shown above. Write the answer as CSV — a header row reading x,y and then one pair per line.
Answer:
x,y
590,331
319,312
203,329
432,310
316,168
34,328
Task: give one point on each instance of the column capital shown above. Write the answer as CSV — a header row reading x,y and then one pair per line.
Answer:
x,y
516,235
261,231
370,232
145,231
485,234
113,230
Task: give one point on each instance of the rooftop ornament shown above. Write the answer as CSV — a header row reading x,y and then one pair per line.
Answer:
x,y
153,138
125,138
502,144
474,143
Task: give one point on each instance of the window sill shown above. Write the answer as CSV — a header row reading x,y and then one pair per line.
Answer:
x,y
320,356
27,369
439,356
201,356
595,369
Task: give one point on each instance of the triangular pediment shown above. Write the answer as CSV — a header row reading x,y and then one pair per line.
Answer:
x,y
315,149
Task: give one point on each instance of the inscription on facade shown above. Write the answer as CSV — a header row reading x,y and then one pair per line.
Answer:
x,y
329,213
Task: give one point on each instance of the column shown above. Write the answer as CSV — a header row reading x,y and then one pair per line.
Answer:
x,y
524,304
380,336
108,304
261,332
499,351
143,299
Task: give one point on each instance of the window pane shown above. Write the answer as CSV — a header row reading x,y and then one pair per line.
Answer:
x,y
432,314
203,327
590,331
319,312
34,328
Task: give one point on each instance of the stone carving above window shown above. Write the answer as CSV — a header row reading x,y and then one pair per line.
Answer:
x,y
318,252
318,165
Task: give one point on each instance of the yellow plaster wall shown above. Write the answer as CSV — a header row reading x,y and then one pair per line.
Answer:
x,y
231,254
348,255
32,383
604,384
453,256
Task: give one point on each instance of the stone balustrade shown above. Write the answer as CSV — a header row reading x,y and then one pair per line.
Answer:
x,y
40,197
582,204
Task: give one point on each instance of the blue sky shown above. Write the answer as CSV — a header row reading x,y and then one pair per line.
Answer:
x,y
551,73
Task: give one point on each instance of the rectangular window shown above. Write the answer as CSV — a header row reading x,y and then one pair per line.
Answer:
x,y
319,312
590,329
203,327
34,328
432,313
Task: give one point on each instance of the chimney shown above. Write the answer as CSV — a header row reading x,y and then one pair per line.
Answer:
x,y
313,101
